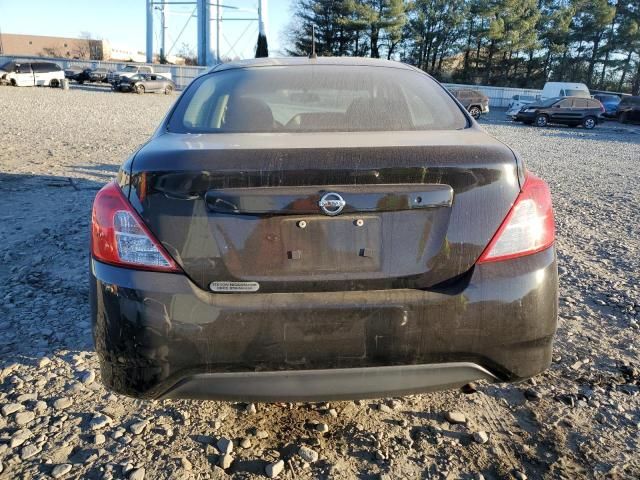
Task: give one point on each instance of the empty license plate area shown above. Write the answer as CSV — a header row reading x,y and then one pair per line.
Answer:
x,y
332,245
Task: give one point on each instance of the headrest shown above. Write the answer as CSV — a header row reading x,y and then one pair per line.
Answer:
x,y
247,114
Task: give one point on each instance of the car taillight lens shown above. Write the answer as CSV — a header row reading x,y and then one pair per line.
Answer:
x,y
119,237
528,227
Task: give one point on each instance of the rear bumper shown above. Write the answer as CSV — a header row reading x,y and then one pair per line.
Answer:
x,y
327,384
160,336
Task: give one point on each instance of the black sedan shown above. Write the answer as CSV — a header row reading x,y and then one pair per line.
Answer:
x,y
571,111
330,228
629,109
144,83
93,75
72,72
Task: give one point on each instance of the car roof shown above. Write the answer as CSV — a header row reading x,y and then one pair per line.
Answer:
x,y
296,61
571,84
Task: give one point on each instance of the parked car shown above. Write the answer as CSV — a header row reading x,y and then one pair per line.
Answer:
x,y
475,102
92,75
610,103
29,74
571,111
519,101
131,70
71,72
145,83
310,229
564,89
629,109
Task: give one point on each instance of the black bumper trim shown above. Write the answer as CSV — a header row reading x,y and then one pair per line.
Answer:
x,y
328,384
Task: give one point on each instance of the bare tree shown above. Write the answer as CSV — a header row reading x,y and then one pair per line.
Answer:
x,y
186,51
51,52
83,46
89,47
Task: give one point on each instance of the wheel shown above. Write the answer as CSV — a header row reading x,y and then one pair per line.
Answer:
x,y
13,82
542,120
139,89
168,90
589,123
80,82
475,112
54,83
622,118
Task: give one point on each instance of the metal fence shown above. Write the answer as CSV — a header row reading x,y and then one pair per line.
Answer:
x,y
183,75
180,74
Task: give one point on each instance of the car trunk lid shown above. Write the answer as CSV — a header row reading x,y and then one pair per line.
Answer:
x,y
245,212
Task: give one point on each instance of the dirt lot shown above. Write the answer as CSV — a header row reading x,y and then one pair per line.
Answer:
x,y
581,419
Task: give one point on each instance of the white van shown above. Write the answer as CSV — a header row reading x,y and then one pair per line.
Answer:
x,y
29,74
564,89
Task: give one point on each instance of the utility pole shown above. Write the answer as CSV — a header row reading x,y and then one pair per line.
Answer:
x,y
163,31
218,30
204,32
149,31
262,49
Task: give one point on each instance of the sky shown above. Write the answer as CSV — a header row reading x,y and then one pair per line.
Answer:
x,y
122,23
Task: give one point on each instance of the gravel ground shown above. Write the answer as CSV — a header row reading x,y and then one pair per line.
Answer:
x,y
580,419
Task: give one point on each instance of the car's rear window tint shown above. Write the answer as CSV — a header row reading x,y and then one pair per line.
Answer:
x,y
315,98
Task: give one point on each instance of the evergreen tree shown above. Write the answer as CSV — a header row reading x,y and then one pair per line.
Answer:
x,y
502,42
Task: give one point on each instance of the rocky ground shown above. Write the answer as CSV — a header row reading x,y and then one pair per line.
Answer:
x,y
580,419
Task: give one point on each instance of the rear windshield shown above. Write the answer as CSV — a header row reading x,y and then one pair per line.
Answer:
x,y
315,98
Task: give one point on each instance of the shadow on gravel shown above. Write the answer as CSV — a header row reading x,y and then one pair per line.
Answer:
x,y
44,233
623,135
91,87
103,170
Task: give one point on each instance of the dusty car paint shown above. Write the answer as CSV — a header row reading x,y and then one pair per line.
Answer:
x,y
479,170
154,329
389,282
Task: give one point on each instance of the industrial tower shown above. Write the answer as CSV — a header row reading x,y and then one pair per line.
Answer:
x,y
209,15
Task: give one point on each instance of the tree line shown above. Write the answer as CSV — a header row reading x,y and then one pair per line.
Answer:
x,y
520,43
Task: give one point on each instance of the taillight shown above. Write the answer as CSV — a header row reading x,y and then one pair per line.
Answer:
x,y
119,237
528,227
